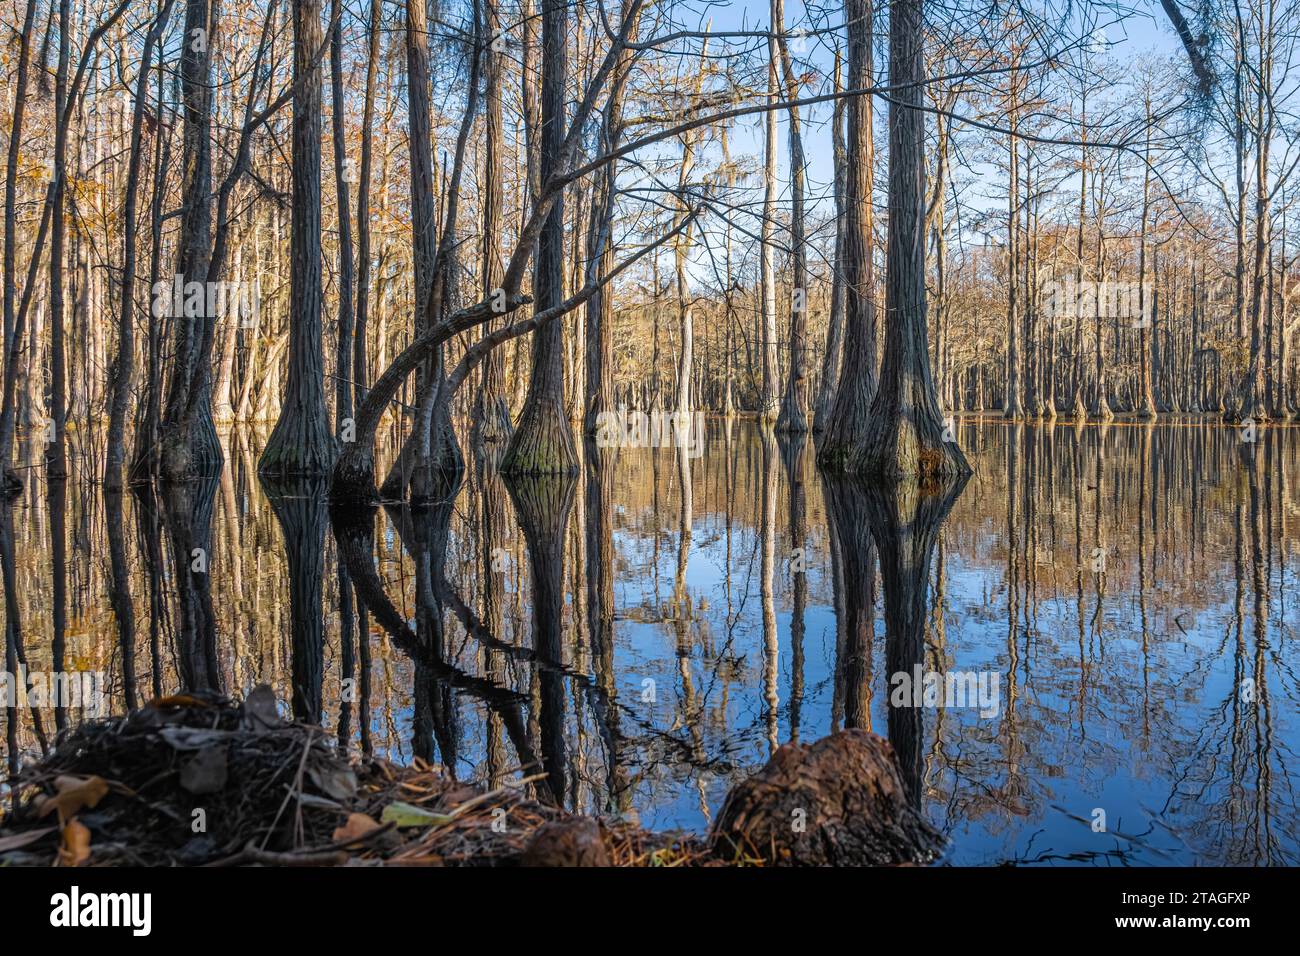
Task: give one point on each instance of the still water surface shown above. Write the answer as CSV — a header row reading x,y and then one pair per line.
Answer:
x,y
647,633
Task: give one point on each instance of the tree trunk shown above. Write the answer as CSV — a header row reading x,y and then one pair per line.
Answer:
x,y
300,444
685,309
1146,309
188,444
905,433
794,408
1080,412
13,318
360,373
431,443
344,347
846,429
831,358
767,397
1012,407
1250,402
543,442
492,413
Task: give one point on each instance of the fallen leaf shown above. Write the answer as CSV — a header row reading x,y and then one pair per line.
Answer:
x,y
357,826
259,709
191,738
337,782
76,844
314,801
205,772
406,815
73,794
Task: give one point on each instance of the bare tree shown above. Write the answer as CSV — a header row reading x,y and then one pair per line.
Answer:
x,y
300,444
846,429
543,442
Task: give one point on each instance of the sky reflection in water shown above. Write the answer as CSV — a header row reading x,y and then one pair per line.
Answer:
x,y
1161,690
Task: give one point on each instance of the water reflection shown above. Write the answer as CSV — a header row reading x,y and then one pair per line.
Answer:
x,y
640,636
187,524
300,509
905,521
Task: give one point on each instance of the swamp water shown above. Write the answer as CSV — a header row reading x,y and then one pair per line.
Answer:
x,y
1098,628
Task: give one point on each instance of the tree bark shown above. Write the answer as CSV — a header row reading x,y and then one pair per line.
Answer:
x,y
831,358
846,429
188,444
360,372
794,407
13,318
543,442
905,435
492,412
344,344
300,444
768,400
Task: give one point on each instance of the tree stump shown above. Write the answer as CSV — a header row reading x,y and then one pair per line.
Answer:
x,y
571,842
837,802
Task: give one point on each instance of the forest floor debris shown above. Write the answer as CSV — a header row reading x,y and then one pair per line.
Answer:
x,y
199,780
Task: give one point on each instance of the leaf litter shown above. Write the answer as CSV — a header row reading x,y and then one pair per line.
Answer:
x,y
199,779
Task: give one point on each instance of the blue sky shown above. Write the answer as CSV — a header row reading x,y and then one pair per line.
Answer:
x,y
1143,32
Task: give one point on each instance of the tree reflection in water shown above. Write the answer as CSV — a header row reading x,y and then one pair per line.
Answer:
x,y
1130,586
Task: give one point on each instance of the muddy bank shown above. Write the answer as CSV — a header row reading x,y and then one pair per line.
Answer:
x,y
199,780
